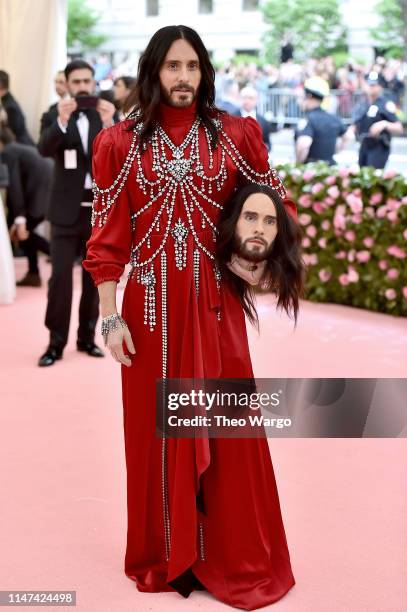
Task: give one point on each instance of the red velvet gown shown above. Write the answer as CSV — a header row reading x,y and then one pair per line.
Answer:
x,y
237,546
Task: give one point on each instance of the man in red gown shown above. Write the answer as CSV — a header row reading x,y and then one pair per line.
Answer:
x,y
202,513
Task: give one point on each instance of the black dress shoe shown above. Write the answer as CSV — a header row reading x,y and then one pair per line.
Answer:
x,y
31,279
90,348
50,356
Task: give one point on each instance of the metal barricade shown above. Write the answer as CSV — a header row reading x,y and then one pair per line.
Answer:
x,y
283,105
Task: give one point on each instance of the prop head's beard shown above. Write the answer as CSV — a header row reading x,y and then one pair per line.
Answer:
x,y
257,254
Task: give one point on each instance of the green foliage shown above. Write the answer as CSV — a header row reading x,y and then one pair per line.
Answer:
x,y
390,33
245,58
81,21
354,224
315,27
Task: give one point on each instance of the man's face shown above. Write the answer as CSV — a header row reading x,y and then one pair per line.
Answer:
x,y
180,74
256,228
81,82
60,84
120,91
374,91
249,102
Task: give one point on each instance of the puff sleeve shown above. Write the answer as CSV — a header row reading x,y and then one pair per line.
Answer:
x,y
108,248
256,155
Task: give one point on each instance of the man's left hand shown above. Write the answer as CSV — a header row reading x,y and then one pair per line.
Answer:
x,y
106,111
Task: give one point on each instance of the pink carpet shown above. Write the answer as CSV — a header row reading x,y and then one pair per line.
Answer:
x,y
63,512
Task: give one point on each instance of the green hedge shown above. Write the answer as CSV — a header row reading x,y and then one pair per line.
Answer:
x,y
355,234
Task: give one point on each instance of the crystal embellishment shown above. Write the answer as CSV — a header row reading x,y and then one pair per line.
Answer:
x,y
180,233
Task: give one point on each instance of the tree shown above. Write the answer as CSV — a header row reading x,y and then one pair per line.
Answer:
x,y
81,21
315,27
390,34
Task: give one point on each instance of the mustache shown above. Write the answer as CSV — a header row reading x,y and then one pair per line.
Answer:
x,y
183,88
256,238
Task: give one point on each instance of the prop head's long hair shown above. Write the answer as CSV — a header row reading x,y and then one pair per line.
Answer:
x,y
284,273
145,96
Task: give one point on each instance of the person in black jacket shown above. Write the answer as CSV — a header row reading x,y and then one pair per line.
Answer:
x,y
15,116
67,134
248,97
27,198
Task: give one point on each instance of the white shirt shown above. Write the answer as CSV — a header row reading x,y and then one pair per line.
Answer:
x,y
248,113
82,123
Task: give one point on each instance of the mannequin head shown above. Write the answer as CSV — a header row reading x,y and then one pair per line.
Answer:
x,y
256,226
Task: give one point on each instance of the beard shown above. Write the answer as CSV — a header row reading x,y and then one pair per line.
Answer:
x,y
259,253
184,98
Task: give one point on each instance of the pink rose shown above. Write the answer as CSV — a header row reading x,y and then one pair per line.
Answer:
x,y
355,203
322,243
356,219
308,175
376,197
340,255
369,211
345,183
329,201
363,256
330,180
317,188
389,174
381,212
393,204
353,276
383,265
304,219
396,252
343,279
405,292
343,172
310,259
350,235
392,216
306,242
405,234
317,207
351,255
368,242
333,192
324,275
392,273
311,231
339,221
326,225
390,294
305,200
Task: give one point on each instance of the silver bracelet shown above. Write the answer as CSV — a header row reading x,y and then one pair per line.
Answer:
x,y
111,323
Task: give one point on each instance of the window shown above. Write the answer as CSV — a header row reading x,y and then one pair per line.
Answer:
x,y
151,8
205,6
250,5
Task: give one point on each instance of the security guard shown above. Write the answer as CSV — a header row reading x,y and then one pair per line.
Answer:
x,y
374,122
316,135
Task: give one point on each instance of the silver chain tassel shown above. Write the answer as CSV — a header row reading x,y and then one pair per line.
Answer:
x,y
196,270
148,280
164,481
180,233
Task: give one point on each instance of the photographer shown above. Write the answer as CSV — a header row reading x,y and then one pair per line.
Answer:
x,y
67,134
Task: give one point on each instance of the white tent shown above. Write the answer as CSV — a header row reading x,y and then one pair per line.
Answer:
x,y
32,50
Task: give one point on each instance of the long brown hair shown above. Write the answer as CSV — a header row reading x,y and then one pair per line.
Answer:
x,y
285,270
145,96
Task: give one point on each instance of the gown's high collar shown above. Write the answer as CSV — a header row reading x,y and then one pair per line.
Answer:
x,y
177,116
